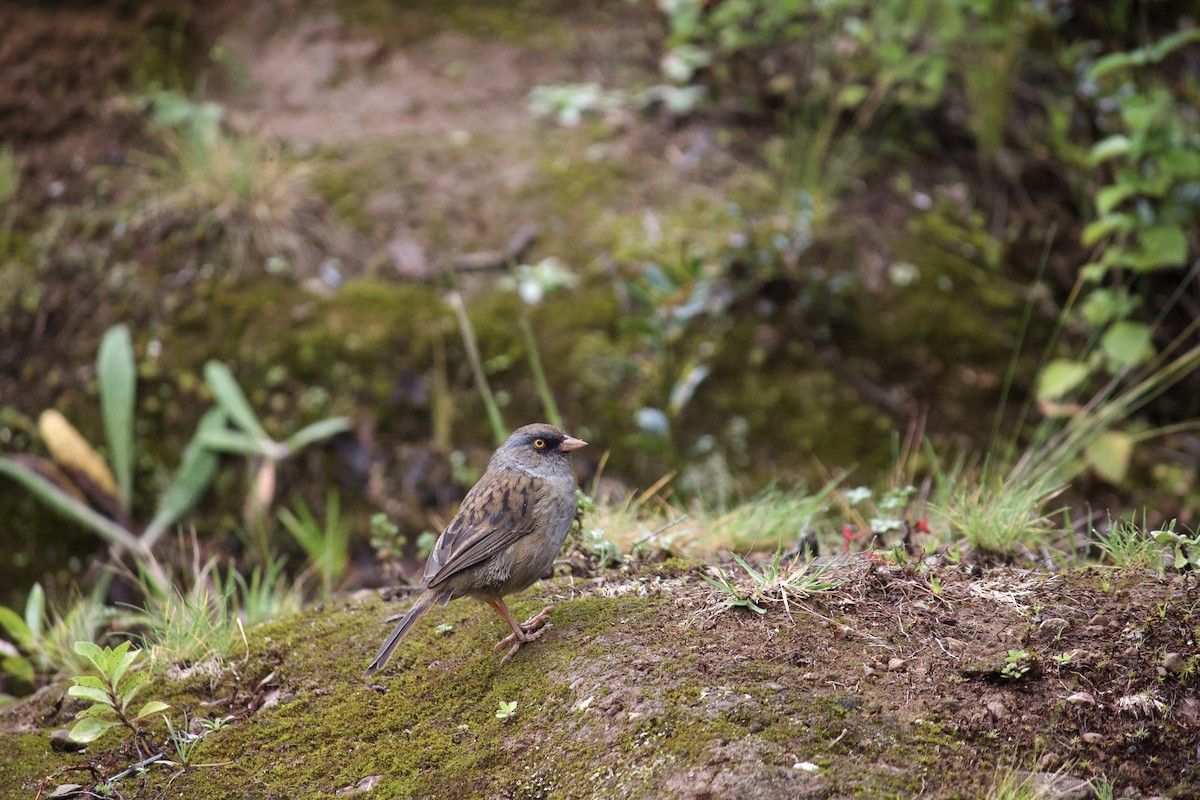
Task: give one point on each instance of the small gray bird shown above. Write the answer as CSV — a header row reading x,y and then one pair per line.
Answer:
x,y
505,536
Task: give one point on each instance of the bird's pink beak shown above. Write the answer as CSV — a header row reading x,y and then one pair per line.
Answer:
x,y
571,443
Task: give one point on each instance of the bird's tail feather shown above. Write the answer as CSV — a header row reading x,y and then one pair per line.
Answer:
x,y
419,608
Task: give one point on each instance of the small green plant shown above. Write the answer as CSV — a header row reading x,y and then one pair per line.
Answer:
x,y
249,438
118,681
85,473
216,723
327,546
774,584
188,624
1126,544
1016,664
1185,549
385,537
444,629
182,740
42,645
26,633
506,710
1064,659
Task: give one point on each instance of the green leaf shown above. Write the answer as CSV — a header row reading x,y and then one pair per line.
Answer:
x,y
1105,226
236,443
66,505
123,666
114,657
98,711
316,432
151,707
1060,377
1108,454
1162,246
90,681
195,472
131,688
11,621
1110,197
1113,146
35,612
117,376
88,693
90,729
232,399
92,653
1127,343
19,667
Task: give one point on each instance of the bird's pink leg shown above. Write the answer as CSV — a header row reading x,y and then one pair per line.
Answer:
x,y
523,632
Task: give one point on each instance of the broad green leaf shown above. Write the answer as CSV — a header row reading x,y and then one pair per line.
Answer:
x,y
1113,146
123,666
193,477
117,375
1111,63
1172,42
92,653
98,711
90,681
1127,343
88,693
1162,246
224,440
19,667
68,506
132,687
1108,454
1059,377
1110,197
90,729
11,621
152,707
1179,163
114,657
232,399
316,432
1105,226
35,612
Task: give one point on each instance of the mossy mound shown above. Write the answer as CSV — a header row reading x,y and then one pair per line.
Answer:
x,y
644,688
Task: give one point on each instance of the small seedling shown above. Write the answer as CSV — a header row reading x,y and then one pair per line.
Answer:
x,y
119,681
182,740
216,723
1016,664
1063,659
444,629
507,710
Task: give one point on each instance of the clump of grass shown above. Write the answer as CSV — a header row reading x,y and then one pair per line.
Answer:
x,y
1126,544
774,516
775,583
188,625
327,546
205,178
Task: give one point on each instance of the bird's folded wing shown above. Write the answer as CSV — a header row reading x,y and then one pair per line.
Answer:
x,y
493,515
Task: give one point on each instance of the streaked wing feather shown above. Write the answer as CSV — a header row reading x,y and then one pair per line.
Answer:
x,y
495,513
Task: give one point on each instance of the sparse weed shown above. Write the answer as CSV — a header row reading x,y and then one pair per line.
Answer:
x,y
118,682
774,584
1126,544
327,546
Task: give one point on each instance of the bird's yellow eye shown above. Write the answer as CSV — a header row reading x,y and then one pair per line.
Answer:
x,y
540,444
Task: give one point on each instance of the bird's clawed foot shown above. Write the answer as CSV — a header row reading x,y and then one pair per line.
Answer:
x,y
524,632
